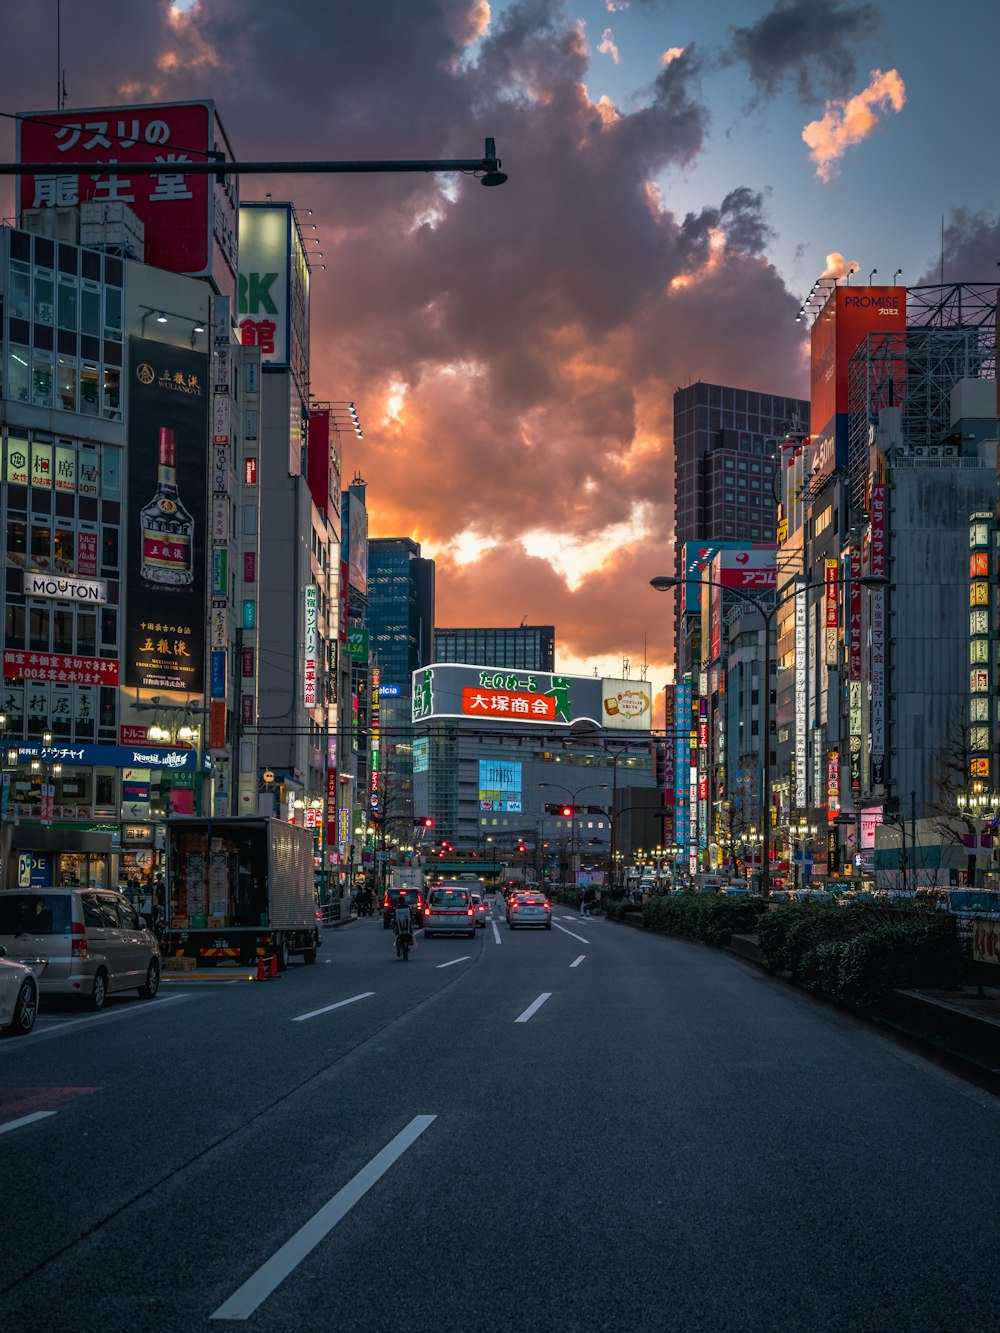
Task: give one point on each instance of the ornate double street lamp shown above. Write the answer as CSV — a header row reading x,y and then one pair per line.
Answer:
x,y
801,833
767,610
977,807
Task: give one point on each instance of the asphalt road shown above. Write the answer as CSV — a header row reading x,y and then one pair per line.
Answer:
x,y
576,1129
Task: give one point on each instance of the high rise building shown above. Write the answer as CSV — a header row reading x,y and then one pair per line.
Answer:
x,y
400,620
526,648
726,458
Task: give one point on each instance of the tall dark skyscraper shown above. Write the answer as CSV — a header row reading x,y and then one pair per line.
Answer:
x,y
400,608
726,443
400,621
528,647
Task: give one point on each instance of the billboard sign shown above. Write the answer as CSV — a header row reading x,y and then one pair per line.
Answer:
x,y
877,634
166,514
273,286
189,220
848,316
536,698
747,568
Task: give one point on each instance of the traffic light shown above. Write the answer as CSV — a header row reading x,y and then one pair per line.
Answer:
x,y
559,808
424,822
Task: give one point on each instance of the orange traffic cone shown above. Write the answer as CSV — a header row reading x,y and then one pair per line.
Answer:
x,y
274,965
261,973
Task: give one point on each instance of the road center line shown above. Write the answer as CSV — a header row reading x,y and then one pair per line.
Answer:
x,y
452,961
314,1013
577,961
245,1300
569,932
496,933
534,1007
25,1120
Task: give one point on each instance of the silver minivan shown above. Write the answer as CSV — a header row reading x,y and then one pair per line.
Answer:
x,y
449,911
80,942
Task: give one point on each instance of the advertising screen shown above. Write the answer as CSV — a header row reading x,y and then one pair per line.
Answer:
x,y
166,517
499,785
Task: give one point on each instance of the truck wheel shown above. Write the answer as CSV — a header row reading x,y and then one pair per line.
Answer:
x,y
284,953
309,956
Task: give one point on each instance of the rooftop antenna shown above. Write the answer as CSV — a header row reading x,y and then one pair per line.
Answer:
x,y
60,72
942,249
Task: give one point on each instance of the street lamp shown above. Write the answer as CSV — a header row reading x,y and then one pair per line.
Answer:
x,y
801,833
767,612
979,807
591,786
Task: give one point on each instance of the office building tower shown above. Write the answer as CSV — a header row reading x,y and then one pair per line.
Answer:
x,y
726,458
526,648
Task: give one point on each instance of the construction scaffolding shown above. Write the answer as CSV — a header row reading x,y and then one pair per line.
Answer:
x,y
950,335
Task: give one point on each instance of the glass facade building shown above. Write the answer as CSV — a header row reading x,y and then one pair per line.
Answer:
x,y
529,647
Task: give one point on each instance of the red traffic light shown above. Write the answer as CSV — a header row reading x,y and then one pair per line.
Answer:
x,y
425,822
566,811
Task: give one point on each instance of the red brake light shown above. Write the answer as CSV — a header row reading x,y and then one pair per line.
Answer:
x,y
78,940
471,912
548,907
428,912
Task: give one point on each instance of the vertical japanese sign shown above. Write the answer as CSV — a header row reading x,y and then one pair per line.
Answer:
x,y
669,753
166,605
375,765
877,561
682,762
854,664
309,670
831,606
801,701
833,782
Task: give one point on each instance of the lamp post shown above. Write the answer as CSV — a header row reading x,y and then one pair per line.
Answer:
x,y
801,833
767,612
591,786
978,807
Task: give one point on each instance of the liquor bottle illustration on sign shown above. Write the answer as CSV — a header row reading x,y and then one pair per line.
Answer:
x,y
166,527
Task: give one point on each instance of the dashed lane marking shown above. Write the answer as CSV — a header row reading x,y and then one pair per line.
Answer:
x,y
534,1007
314,1013
245,1300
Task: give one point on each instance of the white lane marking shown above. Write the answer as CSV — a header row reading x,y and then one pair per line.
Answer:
x,y
314,1013
245,1300
534,1007
496,933
112,1016
452,961
577,961
25,1120
569,932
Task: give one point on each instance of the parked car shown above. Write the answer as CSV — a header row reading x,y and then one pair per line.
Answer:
x,y
529,909
479,903
449,911
735,891
414,900
86,943
18,996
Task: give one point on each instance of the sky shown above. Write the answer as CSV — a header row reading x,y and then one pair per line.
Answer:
x,y
680,173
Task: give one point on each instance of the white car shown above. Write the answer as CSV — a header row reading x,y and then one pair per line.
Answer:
x,y
479,903
18,996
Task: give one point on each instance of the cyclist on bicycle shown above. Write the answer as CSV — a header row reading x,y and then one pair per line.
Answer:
x,y
402,921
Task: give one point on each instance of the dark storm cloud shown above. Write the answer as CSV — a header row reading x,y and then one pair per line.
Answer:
x,y
533,334
971,249
810,43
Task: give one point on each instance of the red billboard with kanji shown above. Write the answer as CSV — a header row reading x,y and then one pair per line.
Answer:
x,y
190,220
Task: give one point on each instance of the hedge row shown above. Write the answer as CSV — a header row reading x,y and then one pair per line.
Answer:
x,y
704,916
855,954
858,955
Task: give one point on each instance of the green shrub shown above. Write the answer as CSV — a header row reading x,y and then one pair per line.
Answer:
x,y
703,916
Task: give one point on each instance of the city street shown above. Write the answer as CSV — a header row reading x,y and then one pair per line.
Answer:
x,y
582,1128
